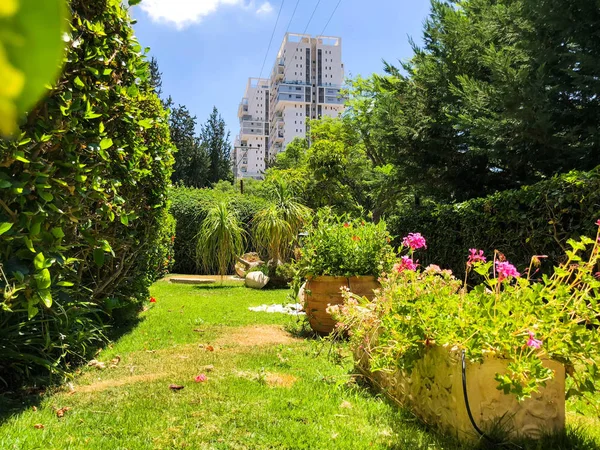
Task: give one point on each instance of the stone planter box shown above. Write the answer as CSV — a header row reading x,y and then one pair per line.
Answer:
x,y
433,391
323,291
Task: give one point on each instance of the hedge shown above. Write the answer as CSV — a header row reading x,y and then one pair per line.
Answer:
x,y
189,207
535,220
84,228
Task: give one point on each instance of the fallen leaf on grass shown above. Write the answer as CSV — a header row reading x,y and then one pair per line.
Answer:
x,y
34,408
346,405
97,364
38,426
61,412
115,361
175,387
208,368
210,348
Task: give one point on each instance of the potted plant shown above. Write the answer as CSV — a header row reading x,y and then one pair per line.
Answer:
x,y
339,252
494,356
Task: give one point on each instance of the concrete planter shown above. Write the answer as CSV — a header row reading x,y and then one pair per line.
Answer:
x,y
320,292
434,392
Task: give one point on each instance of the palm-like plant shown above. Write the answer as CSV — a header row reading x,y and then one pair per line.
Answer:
x,y
220,240
277,226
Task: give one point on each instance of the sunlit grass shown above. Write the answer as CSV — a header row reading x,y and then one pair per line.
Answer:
x,y
265,389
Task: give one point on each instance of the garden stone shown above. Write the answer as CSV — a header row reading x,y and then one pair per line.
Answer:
x,y
246,263
256,280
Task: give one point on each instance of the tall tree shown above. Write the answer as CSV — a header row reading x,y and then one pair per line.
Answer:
x,y
215,141
191,160
155,76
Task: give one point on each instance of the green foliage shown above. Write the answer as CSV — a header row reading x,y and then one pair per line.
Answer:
x,y
221,239
189,206
192,164
82,198
535,220
276,227
215,140
507,317
339,246
31,53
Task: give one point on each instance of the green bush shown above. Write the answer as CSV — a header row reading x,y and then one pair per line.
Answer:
x,y
339,246
189,206
82,200
535,220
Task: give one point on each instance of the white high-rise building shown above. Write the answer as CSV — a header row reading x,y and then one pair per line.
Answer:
x,y
305,83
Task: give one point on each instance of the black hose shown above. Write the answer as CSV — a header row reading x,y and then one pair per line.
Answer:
x,y
466,396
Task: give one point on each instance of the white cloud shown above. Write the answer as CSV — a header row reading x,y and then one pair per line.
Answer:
x,y
182,13
265,8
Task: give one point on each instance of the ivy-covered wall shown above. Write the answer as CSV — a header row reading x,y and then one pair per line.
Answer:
x,y
84,228
535,220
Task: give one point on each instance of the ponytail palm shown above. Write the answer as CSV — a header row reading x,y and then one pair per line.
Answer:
x,y
277,226
220,240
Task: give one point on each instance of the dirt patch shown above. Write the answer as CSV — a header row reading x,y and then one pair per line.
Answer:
x,y
280,380
257,336
103,385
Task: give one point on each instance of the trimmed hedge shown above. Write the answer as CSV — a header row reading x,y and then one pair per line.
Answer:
x,y
189,207
535,220
84,228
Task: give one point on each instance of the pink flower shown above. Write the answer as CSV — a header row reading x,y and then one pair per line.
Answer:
x,y
506,270
405,264
433,268
152,300
200,378
533,342
475,256
598,222
415,241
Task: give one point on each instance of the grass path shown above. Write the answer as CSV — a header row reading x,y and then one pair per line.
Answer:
x,y
265,389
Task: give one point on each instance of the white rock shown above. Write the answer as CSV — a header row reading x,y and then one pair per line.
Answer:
x,y
256,280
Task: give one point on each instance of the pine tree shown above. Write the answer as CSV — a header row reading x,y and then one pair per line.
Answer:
x,y
191,160
155,76
215,139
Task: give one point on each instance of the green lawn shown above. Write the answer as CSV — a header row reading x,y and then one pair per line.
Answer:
x,y
265,390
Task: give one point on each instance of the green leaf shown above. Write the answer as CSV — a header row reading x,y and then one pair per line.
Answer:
x,y
106,143
46,196
134,2
99,257
5,184
38,261
29,244
58,233
65,283
35,228
80,84
46,297
5,226
32,38
125,220
146,123
31,311
43,280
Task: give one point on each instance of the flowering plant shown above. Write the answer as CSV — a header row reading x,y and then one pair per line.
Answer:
x,y
340,246
509,316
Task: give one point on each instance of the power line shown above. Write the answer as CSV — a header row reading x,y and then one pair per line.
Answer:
x,y
331,17
292,18
271,40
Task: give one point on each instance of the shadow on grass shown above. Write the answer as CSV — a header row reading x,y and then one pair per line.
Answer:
x,y
215,287
20,397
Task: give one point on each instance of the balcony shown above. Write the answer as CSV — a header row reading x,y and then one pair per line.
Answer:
x,y
243,108
279,137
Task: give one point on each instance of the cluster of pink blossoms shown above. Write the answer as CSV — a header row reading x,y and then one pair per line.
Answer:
x,y
405,263
533,342
415,241
475,256
506,270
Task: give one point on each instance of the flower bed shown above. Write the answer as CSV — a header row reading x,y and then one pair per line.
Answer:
x,y
519,336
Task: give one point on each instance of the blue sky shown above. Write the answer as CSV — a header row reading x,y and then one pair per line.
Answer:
x,y
207,49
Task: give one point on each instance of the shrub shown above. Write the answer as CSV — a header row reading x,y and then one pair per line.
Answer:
x,y
535,220
339,246
189,206
507,316
82,199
